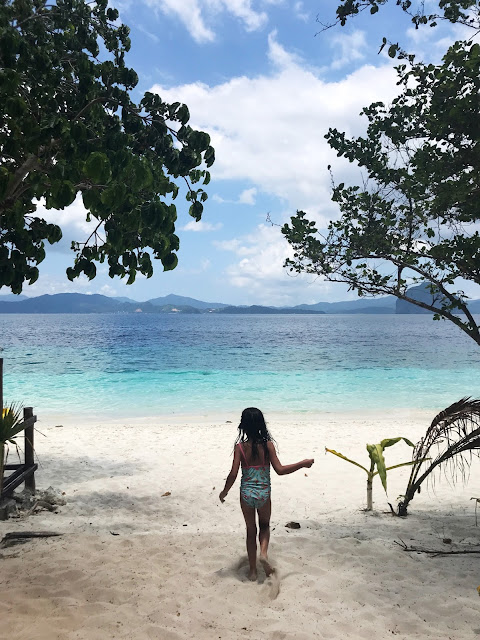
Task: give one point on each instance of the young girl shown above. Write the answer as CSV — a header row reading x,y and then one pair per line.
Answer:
x,y
255,451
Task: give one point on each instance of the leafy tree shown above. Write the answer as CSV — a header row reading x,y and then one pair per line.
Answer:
x,y
466,12
415,217
68,125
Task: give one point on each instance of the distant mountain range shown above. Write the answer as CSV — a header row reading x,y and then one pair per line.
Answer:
x,y
423,294
95,303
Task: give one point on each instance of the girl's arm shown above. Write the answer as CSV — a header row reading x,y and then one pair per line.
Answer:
x,y
285,469
232,476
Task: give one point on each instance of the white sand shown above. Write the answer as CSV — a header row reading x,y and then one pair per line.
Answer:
x,y
177,568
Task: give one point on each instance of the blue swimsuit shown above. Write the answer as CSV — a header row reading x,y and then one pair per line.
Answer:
x,y
255,484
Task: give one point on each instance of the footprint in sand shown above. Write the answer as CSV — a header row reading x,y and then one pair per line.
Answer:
x,y
273,579
273,583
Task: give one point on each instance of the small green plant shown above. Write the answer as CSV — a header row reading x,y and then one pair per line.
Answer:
x,y
452,439
377,464
11,424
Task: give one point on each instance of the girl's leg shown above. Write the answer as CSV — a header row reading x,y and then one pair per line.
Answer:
x,y
264,514
249,515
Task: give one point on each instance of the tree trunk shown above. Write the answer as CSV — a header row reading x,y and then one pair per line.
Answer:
x,y
369,494
2,464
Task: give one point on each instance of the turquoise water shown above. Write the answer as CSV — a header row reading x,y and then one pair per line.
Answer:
x,y
139,365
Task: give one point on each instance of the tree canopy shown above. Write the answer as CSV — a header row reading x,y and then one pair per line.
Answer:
x,y
69,126
414,217
466,12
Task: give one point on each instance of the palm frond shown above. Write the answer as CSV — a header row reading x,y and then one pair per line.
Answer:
x,y
11,422
450,442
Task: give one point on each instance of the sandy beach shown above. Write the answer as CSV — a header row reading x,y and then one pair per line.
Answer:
x,y
148,551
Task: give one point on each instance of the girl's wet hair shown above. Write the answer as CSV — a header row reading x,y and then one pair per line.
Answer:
x,y
253,428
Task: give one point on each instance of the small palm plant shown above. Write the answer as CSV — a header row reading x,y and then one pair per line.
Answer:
x,y
377,464
450,441
11,424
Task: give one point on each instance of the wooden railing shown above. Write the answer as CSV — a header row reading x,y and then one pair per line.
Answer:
x,y
21,472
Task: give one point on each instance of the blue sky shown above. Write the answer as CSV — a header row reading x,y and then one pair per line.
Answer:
x,y
266,83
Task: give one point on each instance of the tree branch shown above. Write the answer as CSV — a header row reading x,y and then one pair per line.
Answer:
x,y
30,163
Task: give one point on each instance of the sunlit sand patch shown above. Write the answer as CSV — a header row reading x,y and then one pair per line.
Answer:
x,y
161,579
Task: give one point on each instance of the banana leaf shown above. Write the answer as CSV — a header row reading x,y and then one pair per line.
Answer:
x,y
340,455
375,451
388,442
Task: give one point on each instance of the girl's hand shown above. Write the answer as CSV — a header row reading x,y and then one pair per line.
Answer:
x,y
308,463
222,496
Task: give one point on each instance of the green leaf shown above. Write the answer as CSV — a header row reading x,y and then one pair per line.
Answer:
x,y
64,195
340,455
183,114
11,423
91,199
169,262
54,233
209,156
392,50
196,210
97,167
375,452
388,442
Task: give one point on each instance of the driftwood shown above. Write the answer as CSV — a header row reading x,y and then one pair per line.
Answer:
x,y
41,504
435,552
20,537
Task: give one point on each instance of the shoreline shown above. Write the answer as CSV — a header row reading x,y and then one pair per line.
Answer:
x,y
218,417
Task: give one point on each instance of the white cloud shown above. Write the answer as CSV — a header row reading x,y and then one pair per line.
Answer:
x,y
198,268
107,290
74,216
50,284
205,264
201,226
348,48
269,130
198,15
260,275
148,33
189,12
432,44
72,221
279,56
300,12
235,246
247,196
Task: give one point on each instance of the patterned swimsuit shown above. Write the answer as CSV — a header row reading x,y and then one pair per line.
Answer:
x,y
255,484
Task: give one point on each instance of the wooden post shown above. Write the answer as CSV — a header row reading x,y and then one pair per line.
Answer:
x,y
29,459
2,446
1,387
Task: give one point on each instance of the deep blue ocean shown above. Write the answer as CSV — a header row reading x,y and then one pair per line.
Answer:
x,y
151,365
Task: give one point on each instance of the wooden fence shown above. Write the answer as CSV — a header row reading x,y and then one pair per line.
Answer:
x,y
23,471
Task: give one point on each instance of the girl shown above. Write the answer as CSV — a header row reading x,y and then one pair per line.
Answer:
x,y
255,451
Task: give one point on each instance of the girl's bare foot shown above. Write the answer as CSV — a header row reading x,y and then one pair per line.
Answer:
x,y
252,575
267,567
